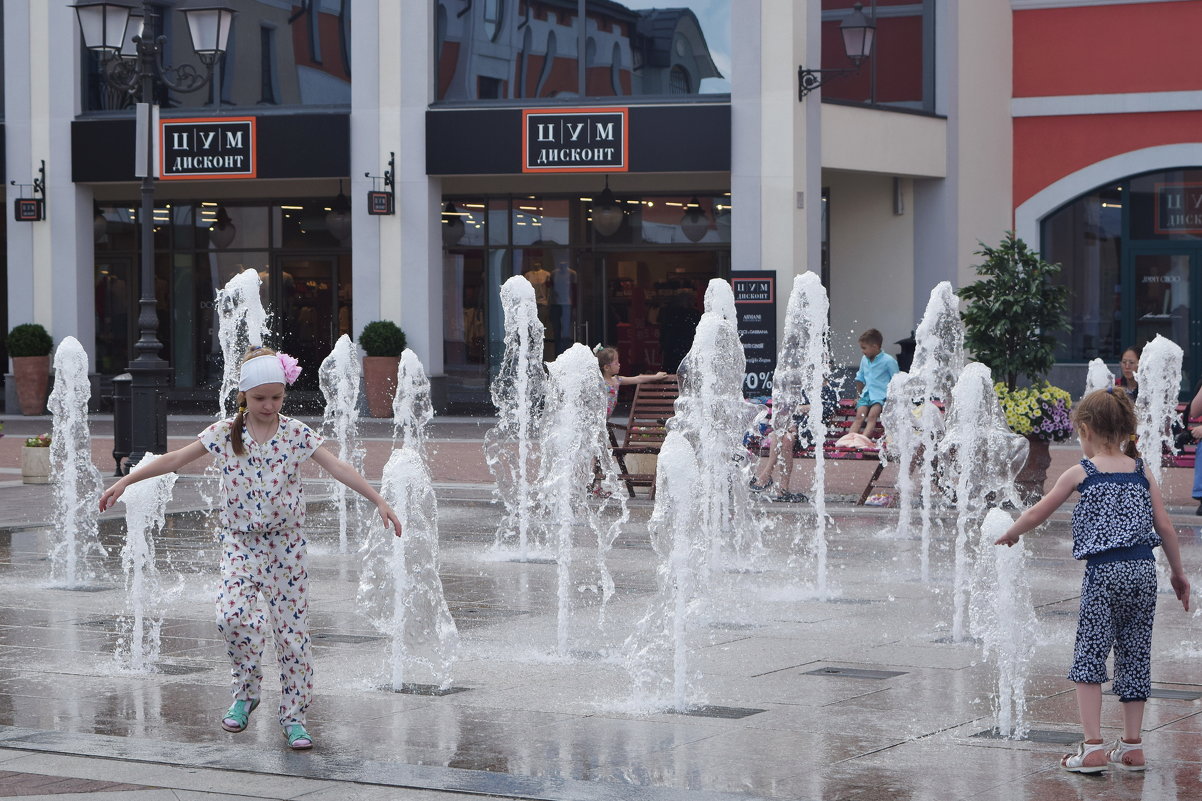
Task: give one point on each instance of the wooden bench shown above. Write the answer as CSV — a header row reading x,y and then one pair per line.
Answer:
x,y
653,406
844,416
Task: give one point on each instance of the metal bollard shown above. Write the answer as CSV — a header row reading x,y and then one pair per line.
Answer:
x,y
122,421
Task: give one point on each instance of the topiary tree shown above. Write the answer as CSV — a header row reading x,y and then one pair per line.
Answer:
x,y
1014,312
382,338
29,339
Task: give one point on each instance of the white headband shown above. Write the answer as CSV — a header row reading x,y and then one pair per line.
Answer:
x,y
261,370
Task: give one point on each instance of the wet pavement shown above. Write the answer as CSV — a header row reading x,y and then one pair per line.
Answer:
x,y
861,696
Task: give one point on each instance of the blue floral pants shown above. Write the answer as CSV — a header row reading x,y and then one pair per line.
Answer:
x,y
1118,603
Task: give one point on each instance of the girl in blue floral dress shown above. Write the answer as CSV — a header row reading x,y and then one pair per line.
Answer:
x,y
260,452
1118,520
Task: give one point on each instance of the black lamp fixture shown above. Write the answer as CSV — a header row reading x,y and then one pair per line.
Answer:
x,y
694,224
858,33
338,218
453,226
222,231
607,213
134,62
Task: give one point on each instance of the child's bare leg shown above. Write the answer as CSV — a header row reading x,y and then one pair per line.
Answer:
x,y
1133,720
786,458
1089,705
874,414
858,422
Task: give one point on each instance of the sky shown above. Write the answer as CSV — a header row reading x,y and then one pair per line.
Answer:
x,y
714,16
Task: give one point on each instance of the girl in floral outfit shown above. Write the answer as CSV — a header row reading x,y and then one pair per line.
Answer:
x,y
259,452
1118,520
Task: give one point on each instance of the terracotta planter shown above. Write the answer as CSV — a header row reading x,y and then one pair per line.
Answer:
x,y
379,380
35,465
32,375
1031,478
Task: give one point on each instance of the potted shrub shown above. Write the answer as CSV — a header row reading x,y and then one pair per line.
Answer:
x,y
1013,315
29,348
35,460
383,341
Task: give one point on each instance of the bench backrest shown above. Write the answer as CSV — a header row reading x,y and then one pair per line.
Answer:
x,y
652,407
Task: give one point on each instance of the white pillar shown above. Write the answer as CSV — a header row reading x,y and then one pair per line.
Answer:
x,y
397,259
776,142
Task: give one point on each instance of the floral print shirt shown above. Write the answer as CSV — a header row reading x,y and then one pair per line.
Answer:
x,y
262,487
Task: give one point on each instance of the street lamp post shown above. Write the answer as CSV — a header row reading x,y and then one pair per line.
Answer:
x,y
132,61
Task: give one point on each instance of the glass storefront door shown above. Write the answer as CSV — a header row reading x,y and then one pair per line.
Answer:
x,y
308,316
1166,280
652,304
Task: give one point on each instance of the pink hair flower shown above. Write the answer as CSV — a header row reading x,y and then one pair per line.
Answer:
x,y
292,368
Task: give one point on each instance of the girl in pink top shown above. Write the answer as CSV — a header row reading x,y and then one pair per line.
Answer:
x,y
259,452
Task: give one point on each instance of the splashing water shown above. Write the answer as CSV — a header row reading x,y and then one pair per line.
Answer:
x,y
1002,617
243,324
412,409
339,376
1159,377
145,514
75,535
657,653
802,368
984,456
519,393
901,445
399,587
400,591
713,416
1098,376
938,360
720,299
574,440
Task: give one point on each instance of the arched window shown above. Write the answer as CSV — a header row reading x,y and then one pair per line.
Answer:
x,y
494,14
678,81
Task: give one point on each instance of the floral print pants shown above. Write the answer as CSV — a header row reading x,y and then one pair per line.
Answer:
x,y
267,569
1118,603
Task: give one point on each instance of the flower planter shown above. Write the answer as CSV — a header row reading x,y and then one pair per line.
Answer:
x,y
35,465
32,376
379,381
1031,478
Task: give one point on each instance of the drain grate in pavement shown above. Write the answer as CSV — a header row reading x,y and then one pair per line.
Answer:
x,y
855,673
1037,736
425,689
727,712
470,612
85,588
1175,695
348,639
734,626
180,670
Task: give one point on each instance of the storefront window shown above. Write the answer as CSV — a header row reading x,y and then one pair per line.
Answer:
x,y
639,289
533,49
1085,238
291,53
306,283
900,72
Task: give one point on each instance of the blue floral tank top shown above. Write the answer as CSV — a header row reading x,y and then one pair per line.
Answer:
x,y
1115,511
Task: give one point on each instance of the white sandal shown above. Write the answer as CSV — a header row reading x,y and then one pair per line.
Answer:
x,y
1117,755
1076,762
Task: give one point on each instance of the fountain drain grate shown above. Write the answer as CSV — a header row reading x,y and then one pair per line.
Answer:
x,y
409,688
854,673
348,639
1174,695
727,712
180,670
1036,736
